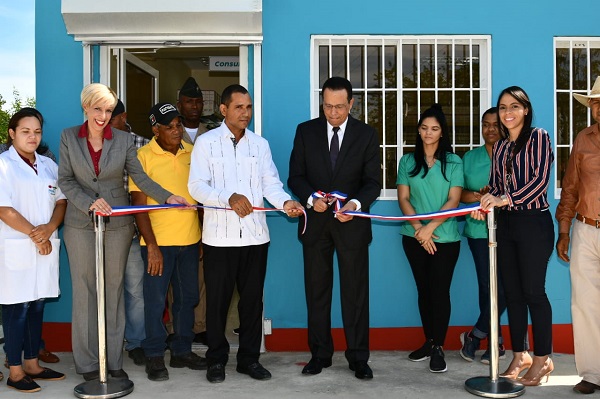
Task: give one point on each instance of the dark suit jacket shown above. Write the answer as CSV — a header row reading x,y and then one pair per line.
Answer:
x,y
357,173
78,181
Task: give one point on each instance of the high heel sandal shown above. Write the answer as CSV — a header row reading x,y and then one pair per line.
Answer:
x,y
517,366
538,375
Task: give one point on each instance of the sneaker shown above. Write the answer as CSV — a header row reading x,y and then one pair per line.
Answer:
x,y
437,364
25,384
156,370
189,360
485,358
470,345
422,353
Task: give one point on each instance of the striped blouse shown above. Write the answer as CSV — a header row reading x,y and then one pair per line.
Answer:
x,y
523,177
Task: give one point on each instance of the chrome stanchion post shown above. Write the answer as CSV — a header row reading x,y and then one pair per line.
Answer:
x,y
103,387
493,386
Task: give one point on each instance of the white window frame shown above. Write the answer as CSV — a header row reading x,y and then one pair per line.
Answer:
x,y
484,41
570,42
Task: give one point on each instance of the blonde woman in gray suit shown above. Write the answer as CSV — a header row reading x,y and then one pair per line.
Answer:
x,y
93,157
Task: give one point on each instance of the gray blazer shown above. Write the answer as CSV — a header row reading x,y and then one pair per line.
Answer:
x,y
78,181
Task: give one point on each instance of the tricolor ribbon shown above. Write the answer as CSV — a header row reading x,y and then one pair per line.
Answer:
x,y
446,213
334,197
133,209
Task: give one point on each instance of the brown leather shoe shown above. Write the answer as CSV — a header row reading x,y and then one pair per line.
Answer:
x,y
586,387
47,357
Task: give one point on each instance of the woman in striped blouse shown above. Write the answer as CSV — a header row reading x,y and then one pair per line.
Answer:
x,y
519,181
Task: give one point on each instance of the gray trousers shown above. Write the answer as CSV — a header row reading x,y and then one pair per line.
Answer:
x,y
81,249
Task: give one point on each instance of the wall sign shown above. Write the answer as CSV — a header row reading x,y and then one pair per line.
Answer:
x,y
224,64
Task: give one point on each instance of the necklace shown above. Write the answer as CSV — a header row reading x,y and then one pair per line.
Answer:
x,y
430,163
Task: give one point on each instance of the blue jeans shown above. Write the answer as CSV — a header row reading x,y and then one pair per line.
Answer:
x,y
481,256
180,268
135,330
22,323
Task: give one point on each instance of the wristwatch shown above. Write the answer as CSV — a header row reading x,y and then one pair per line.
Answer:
x,y
504,199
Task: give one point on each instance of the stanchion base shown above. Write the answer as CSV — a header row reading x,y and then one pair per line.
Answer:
x,y
502,388
110,389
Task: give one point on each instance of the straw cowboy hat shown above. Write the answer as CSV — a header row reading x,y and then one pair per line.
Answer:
x,y
595,93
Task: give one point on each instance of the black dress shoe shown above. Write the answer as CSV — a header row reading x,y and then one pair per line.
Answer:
x,y
361,370
255,370
92,375
120,374
138,356
316,365
216,372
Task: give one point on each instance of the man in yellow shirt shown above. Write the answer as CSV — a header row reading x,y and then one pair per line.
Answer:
x,y
169,246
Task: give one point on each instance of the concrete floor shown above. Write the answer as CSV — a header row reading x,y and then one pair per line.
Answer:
x,y
394,377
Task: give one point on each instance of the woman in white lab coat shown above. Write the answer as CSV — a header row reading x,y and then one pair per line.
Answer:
x,y
31,209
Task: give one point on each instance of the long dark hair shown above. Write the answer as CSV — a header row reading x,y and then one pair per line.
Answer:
x,y
522,98
444,147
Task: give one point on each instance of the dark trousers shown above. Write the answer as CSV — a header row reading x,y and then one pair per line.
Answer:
x,y
224,268
180,269
353,266
525,243
433,276
481,256
22,323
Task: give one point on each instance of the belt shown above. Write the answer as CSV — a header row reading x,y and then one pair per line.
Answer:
x,y
591,222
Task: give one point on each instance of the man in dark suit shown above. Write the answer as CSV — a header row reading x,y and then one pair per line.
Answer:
x,y
336,153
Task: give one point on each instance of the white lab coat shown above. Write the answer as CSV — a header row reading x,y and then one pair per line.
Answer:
x,y
25,275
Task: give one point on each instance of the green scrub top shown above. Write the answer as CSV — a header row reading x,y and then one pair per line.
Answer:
x,y
477,165
429,194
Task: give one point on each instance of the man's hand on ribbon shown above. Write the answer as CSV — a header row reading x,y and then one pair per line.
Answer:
x,y
240,205
321,204
155,260
293,208
350,206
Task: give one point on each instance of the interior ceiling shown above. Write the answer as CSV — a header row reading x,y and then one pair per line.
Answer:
x,y
194,57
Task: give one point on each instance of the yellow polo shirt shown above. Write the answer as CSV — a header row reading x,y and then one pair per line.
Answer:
x,y
172,227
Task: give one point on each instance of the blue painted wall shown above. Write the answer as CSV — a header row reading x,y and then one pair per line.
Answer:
x,y
522,54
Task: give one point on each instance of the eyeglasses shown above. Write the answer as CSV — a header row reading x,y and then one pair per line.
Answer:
x,y
338,107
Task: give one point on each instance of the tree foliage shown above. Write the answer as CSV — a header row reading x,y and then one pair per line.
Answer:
x,y
7,111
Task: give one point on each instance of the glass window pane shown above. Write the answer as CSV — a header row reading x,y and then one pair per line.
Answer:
x,y
580,117
390,67
410,117
594,63
562,159
358,109
357,63
323,64
409,65
580,71
374,77
427,99
375,113
427,65
445,100
563,116
462,68
444,65
338,61
562,68
391,118
475,66
476,112
462,120
391,164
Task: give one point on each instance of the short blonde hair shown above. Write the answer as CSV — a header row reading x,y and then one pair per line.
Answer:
x,y
96,93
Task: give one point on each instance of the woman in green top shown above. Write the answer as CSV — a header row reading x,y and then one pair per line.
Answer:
x,y
429,180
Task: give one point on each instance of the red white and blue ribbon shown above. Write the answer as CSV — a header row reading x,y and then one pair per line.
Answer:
x,y
334,196
446,213
133,209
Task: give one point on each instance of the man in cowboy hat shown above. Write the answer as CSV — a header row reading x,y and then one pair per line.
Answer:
x,y
579,200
